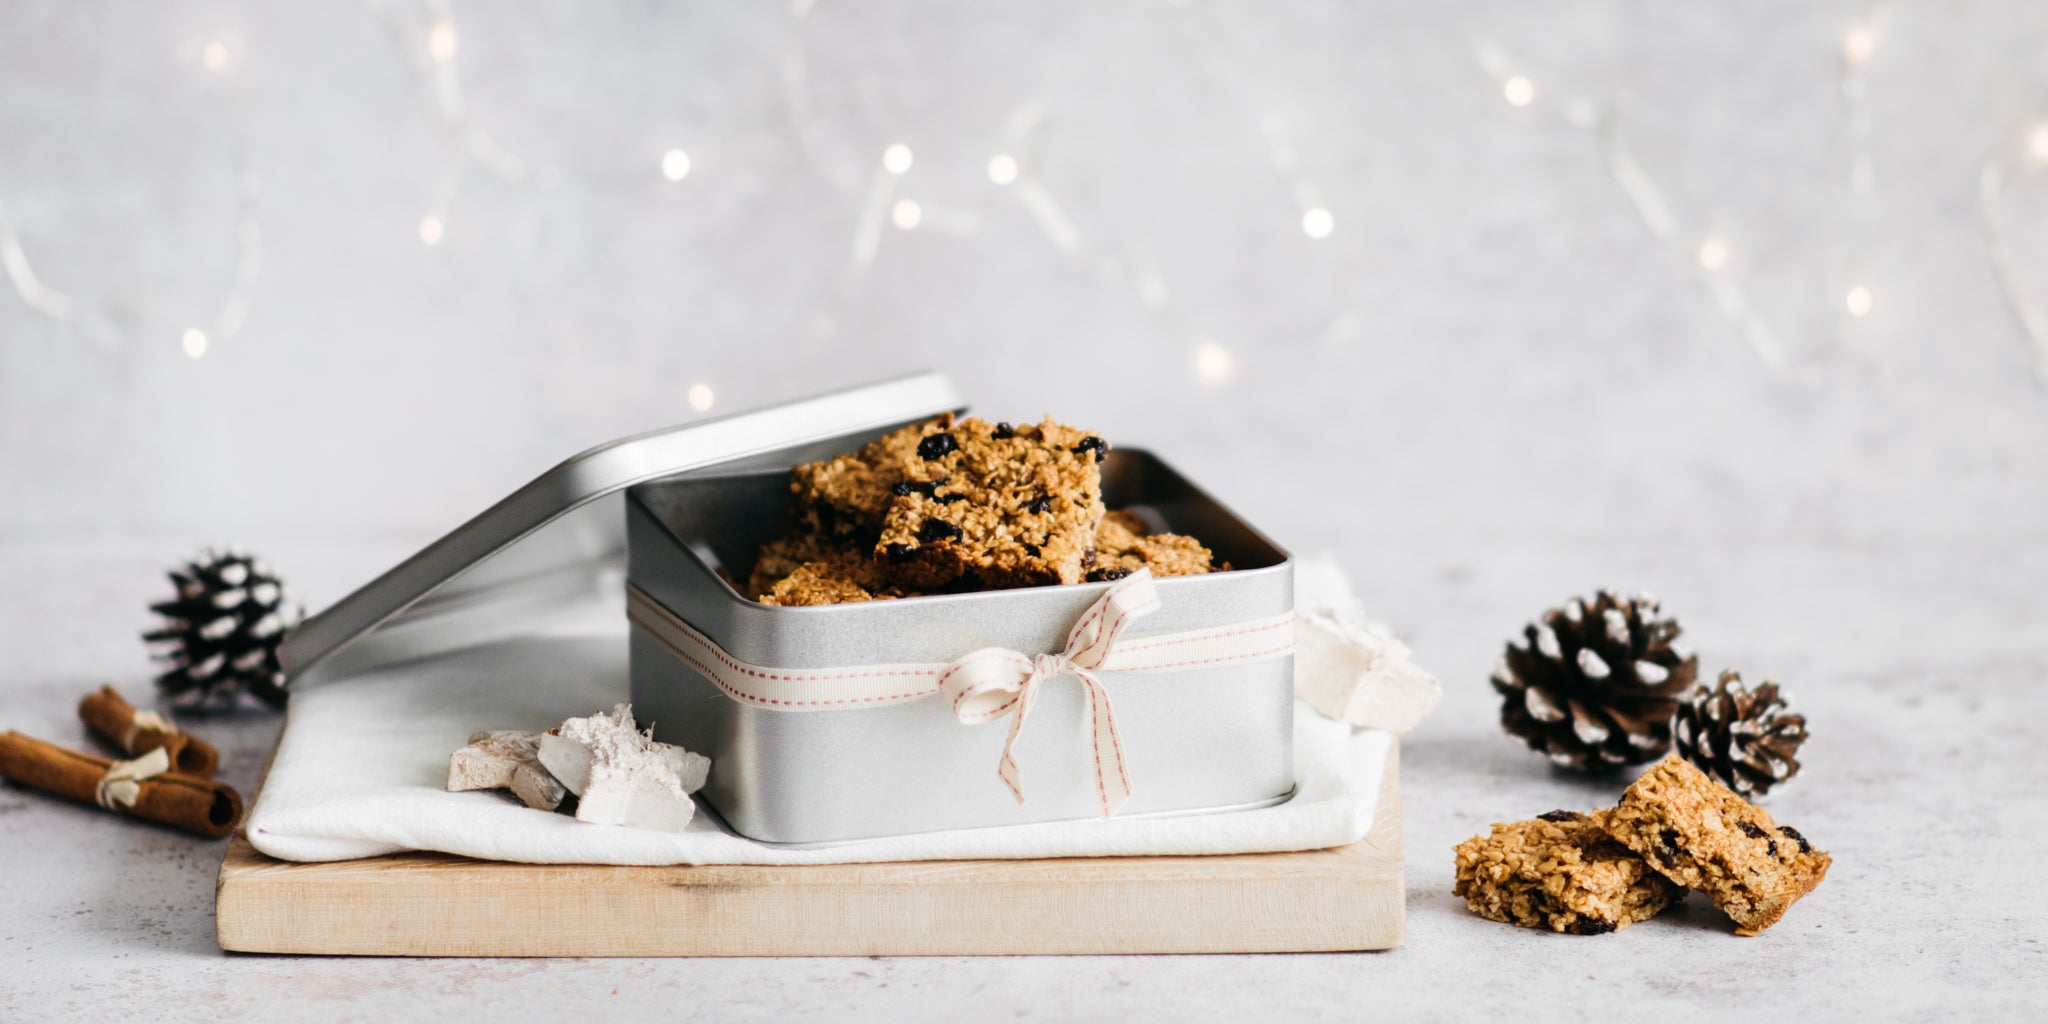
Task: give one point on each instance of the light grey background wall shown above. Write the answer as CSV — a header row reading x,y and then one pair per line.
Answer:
x,y
1491,338
1497,301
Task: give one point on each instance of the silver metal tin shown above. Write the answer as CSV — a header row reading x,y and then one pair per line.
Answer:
x,y
559,539
1202,739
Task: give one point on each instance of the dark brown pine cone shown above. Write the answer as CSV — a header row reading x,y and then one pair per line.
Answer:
x,y
1593,685
1745,738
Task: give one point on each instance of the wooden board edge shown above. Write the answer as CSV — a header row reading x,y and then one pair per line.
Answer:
x,y
1348,898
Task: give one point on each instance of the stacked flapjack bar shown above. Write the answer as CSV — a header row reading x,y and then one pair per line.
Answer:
x,y
954,505
1675,829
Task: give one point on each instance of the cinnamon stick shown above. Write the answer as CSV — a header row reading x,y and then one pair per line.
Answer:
x,y
135,733
173,798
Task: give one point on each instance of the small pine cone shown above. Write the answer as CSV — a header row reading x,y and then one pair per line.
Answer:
x,y
1745,738
220,633
1593,685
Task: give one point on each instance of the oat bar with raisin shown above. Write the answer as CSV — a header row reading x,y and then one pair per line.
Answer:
x,y
1560,871
846,496
782,556
814,583
806,569
1123,545
995,505
1703,836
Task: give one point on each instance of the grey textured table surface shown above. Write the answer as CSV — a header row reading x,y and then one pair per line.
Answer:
x,y
1732,308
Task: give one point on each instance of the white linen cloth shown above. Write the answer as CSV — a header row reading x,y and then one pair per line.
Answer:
x,y
362,766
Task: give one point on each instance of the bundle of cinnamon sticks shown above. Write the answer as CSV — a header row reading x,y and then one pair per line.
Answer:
x,y
165,775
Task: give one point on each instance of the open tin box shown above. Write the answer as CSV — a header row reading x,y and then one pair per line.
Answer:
x,y
689,507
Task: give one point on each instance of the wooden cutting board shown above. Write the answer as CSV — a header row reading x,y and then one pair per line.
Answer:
x,y
423,904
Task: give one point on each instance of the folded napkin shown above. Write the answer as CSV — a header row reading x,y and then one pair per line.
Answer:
x,y
362,767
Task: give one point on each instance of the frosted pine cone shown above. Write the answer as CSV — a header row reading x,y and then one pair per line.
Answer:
x,y
1745,738
1593,685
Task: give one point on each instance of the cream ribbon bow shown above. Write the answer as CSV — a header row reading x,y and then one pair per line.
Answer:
x,y
991,682
122,784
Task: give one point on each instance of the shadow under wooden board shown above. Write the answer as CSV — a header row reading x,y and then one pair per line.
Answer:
x,y
426,904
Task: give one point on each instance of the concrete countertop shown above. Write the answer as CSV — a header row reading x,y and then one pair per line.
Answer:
x,y
1919,779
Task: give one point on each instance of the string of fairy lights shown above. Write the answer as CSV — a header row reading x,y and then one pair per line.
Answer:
x,y
1710,252
218,56
427,34
1713,253
1859,44
1998,168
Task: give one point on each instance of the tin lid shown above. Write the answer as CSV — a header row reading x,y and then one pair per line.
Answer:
x,y
555,540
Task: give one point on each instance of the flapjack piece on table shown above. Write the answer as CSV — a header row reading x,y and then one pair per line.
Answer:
x,y
1703,836
1562,872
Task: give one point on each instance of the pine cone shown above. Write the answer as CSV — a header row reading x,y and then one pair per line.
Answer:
x,y
1745,738
1593,684
220,633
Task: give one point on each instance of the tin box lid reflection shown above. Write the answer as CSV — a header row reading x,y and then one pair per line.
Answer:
x,y
560,540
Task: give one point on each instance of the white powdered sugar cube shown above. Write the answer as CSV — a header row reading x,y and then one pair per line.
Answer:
x,y
620,775
691,769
